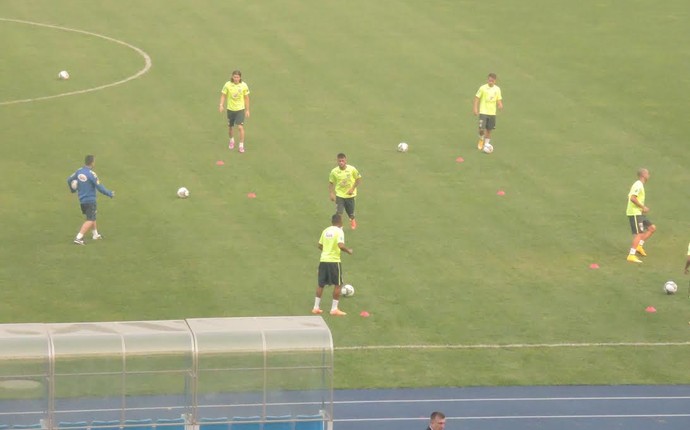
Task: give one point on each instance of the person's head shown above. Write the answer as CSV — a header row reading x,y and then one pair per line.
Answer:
x,y
643,174
337,220
437,421
236,76
491,79
342,161
89,160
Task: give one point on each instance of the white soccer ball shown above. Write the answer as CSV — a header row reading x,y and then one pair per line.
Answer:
x,y
182,193
64,75
403,147
488,148
670,287
347,290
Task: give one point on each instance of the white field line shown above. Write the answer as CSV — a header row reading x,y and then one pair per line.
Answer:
x,y
520,417
145,69
519,399
512,346
465,400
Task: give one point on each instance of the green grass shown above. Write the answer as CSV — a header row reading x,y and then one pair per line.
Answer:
x,y
592,91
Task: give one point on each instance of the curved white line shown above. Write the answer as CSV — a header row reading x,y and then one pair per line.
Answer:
x,y
147,61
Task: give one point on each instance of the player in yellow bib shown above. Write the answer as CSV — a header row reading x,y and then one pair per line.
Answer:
x,y
642,228
342,188
331,243
235,93
486,100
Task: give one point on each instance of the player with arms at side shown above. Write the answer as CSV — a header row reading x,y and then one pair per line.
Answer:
x,y
487,98
642,228
235,93
331,243
342,188
85,182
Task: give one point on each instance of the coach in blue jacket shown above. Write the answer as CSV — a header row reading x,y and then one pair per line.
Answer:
x,y
85,182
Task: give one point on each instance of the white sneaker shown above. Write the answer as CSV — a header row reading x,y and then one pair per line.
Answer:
x,y
97,237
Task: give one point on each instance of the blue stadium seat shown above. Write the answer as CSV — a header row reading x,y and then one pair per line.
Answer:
x,y
27,426
105,425
309,422
278,422
146,424
4,426
73,425
243,423
214,423
170,424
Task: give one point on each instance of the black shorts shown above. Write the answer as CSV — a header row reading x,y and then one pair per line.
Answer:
x,y
330,274
235,117
89,209
345,204
639,223
487,122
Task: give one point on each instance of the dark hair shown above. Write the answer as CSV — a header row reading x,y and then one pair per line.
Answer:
x,y
492,75
237,72
336,219
437,414
88,160
341,155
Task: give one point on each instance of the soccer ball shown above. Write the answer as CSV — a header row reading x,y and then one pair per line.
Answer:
x,y
64,75
182,193
403,147
670,287
488,148
347,290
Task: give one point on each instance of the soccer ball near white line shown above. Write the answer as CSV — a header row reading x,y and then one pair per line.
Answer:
x,y
488,148
182,193
403,147
347,290
64,75
670,287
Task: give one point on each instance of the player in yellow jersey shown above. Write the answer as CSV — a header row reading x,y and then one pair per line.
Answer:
x,y
342,188
331,243
486,100
642,228
235,93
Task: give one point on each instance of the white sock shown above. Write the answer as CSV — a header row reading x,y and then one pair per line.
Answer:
x,y
317,302
241,144
632,251
641,243
334,306
79,235
95,233
232,139
487,141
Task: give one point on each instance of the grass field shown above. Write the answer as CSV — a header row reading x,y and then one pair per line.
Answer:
x,y
592,90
